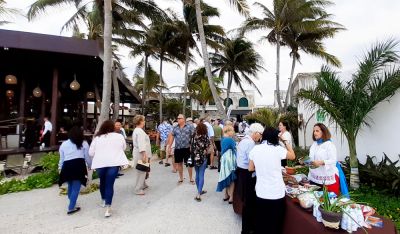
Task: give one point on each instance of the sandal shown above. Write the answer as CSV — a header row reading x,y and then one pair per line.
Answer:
x,y
167,164
74,210
180,181
227,198
197,199
203,192
193,182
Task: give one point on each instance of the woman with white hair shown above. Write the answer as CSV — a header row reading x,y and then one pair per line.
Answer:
x,y
244,194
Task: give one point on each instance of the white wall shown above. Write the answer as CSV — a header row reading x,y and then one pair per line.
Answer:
x,y
381,137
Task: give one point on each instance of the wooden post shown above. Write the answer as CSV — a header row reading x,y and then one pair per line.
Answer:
x,y
123,109
85,107
54,107
22,105
43,107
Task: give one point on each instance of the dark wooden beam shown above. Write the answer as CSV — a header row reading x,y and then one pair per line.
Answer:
x,y
54,106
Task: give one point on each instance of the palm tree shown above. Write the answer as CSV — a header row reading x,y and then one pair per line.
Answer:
x,y
166,38
150,84
266,116
307,34
6,12
285,14
240,61
349,104
242,7
213,34
200,89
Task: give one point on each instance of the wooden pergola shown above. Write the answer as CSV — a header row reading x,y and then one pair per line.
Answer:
x,y
44,67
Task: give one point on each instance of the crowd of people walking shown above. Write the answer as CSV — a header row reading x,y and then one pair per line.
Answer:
x,y
249,169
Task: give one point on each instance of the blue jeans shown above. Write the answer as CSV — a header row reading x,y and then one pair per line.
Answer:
x,y
74,186
107,177
200,176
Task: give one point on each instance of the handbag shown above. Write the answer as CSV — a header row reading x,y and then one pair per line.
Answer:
x,y
142,166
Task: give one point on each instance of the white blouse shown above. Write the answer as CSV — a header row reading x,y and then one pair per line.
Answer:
x,y
141,142
108,150
326,173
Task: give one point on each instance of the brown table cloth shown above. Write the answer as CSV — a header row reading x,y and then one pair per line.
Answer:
x,y
299,221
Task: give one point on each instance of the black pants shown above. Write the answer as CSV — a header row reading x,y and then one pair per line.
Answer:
x,y
270,215
46,139
249,206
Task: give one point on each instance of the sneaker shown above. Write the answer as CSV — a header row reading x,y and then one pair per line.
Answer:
x,y
108,212
103,203
160,162
167,164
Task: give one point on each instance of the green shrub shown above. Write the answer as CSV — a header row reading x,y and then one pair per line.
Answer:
x,y
45,179
155,149
128,154
384,175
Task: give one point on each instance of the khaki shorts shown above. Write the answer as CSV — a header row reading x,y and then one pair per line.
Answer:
x,y
163,146
210,149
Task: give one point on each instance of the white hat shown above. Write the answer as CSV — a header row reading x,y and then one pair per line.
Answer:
x,y
189,119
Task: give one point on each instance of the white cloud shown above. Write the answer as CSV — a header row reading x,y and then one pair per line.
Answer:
x,y
367,21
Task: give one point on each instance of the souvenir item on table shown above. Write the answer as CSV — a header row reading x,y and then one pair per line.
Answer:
x,y
306,200
352,218
374,221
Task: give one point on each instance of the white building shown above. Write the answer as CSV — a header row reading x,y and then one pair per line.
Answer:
x,y
381,137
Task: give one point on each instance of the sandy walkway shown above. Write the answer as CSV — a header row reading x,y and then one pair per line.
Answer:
x,y
166,208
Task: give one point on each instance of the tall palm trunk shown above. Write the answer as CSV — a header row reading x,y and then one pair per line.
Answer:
x,y
187,59
203,109
213,89
354,175
115,74
161,84
104,111
228,91
146,61
278,57
288,99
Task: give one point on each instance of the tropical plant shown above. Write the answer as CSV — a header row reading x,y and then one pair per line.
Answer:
x,y
166,38
349,104
213,33
266,116
285,22
242,7
240,61
6,13
200,89
307,34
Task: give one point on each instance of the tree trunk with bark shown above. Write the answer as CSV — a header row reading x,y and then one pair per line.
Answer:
x,y
203,42
289,98
115,74
354,175
278,57
144,91
187,59
104,111
228,92
161,85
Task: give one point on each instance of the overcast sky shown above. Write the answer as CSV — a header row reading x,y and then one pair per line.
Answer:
x,y
367,21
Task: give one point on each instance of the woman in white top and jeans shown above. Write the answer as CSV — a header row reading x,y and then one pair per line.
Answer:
x,y
141,151
265,159
108,152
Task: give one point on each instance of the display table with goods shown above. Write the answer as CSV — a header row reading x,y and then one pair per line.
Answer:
x,y
311,211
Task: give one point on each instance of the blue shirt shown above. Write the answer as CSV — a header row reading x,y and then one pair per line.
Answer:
x,y
164,129
68,151
182,136
243,150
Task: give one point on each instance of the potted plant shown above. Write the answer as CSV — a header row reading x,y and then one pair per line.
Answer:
x,y
331,210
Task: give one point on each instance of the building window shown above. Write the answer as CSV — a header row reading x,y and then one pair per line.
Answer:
x,y
211,102
188,101
243,102
230,102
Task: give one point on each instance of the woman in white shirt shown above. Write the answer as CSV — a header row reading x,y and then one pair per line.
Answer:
x,y
108,152
284,135
324,158
265,159
141,151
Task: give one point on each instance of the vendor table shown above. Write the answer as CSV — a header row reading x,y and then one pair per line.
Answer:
x,y
299,221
